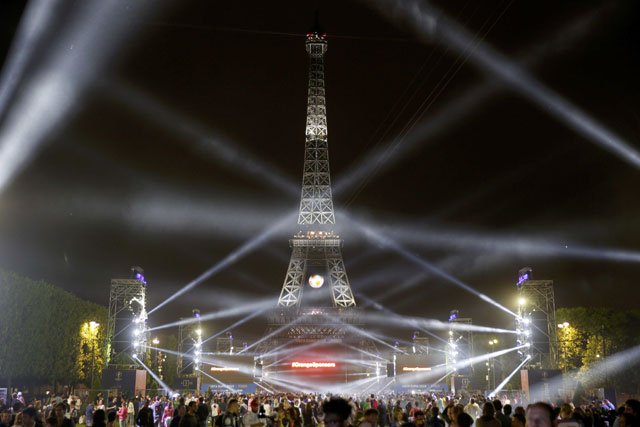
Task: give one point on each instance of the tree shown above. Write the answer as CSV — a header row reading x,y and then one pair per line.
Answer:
x,y
40,331
590,336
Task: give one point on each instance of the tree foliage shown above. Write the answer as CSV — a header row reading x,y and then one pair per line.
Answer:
x,y
595,335
40,332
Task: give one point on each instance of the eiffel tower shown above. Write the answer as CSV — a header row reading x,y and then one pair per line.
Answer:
x,y
316,250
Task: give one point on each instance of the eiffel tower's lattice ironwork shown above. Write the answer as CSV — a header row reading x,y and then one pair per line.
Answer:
x,y
316,202
316,247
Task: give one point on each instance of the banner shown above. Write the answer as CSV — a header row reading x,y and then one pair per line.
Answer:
x,y
127,381
229,388
186,383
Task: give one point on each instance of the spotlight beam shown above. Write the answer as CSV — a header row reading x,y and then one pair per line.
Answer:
x,y
438,237
243,250
203,140
506,380
391,244
379,160
56,88
36,20
228,387
230,312
396,315
417,322
236,324
153,374
428,22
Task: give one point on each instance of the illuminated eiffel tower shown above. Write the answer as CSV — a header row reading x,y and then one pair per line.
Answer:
x,y
316,250
316,245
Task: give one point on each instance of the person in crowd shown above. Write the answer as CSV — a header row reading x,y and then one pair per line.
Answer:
x,y
278,419
399,417
464,420
190,419
167,415
540,414
112,406
123,413
631,406
30,418
505,420
250,419
88,414
308,415
177,415
336,412
145,415
215,411
518,420
419,420
292,417
371,418
488,419
231,417
202,412
17,420
452,413
5,418
111,419
434,420
131,412
629,420
473,409
99,418
566,417
157,409
383,419
59,411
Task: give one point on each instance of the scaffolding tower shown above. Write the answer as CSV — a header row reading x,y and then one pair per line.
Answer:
x,y
536,322
224,345
127,331
189,345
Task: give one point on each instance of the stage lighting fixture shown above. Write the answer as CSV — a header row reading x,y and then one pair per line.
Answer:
x,y
524,274
453,315
196,313
138,273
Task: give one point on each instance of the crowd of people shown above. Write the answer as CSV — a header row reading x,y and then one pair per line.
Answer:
x,y
309,410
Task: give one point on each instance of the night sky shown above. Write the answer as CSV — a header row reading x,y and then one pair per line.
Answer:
x,y
164,158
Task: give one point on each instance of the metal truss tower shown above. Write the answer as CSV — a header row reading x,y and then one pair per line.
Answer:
x,y
127,322
189,345
536,323
224,345
316,247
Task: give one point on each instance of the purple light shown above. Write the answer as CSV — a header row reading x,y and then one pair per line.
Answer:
x,y
523,275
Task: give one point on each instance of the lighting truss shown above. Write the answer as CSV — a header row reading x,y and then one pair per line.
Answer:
x,y
536,323
127,318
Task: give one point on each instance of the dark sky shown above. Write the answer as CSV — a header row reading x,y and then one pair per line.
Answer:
x,y
135,174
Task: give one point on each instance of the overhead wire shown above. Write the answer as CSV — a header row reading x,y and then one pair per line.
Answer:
x,y
426,104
